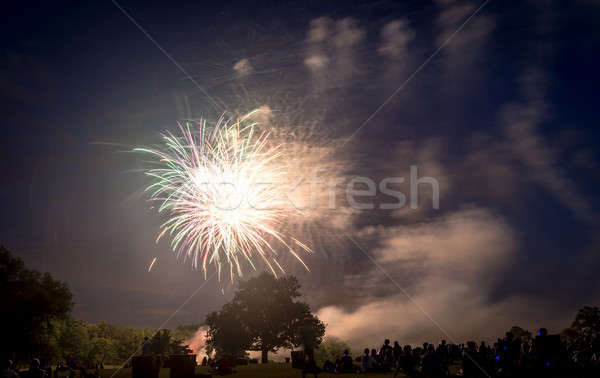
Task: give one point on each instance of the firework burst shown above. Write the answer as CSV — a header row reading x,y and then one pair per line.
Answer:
x,y
221,188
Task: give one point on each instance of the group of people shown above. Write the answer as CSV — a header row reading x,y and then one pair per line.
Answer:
x,y
39,369
391,358
542,356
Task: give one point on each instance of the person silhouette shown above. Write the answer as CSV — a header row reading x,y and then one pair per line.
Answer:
x,y
146,347
384,348
346,363
397,352
7,371
34,370
366,362
309,365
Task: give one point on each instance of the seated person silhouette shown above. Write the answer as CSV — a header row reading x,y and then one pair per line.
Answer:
x,y
7,371
346,363
34,370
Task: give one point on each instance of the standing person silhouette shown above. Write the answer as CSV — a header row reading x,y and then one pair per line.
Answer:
x,y
146,347
309,365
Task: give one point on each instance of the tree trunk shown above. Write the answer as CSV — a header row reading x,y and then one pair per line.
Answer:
x,y
265,354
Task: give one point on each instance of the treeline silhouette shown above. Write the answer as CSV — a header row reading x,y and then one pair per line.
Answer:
x,y
265,315
37,323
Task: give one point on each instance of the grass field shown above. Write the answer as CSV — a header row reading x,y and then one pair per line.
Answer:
x,y
271,370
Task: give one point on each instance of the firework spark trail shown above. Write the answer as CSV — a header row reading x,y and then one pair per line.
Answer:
x,y
154,260
222,190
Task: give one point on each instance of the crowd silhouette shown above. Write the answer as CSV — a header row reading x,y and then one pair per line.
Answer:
x,y
541,356
40,369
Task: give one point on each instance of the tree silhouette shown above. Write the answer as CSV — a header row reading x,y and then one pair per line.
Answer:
x,y
264,316
520,333
302,327
226,334
586,326
163,343
31,303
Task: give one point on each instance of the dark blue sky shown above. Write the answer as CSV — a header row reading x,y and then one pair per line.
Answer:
x,y
504,116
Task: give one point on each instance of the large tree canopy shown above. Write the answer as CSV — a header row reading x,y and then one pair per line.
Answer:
x,y
520,333
264,316
31,302
585,329
227,335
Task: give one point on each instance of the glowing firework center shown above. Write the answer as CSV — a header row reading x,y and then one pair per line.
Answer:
x,y
222,191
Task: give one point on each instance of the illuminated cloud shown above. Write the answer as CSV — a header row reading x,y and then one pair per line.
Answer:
x,y
348,34
319,29
243,67
457,257
395,37
316,62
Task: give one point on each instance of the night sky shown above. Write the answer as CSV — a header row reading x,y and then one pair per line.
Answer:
x,y
504,116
